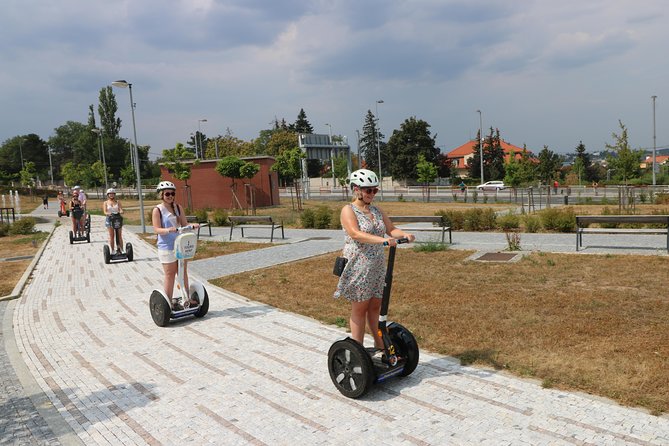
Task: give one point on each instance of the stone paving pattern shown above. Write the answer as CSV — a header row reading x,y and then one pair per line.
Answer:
x,y
248,373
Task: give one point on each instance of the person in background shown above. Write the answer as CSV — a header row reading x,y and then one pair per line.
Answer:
x,y
109,207
364,275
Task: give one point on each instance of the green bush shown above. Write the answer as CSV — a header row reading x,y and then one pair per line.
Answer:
x,y
23,226
508,221
201,215
560,220
322,217
219,217
489,219
4,229
532,223
308,219
473,220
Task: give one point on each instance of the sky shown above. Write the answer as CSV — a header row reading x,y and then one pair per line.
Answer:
x,y
543,72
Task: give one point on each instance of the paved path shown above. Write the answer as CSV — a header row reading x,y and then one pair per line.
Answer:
x,y
250,374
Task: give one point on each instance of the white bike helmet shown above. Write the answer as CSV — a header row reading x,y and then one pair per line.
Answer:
x,y
165,185
111,190
77,187
363,178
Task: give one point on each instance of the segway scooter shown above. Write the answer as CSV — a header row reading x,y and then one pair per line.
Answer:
x,y
63,211
161,308
116,221
82,233
354,369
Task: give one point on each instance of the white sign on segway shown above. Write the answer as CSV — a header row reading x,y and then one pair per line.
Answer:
x,y
186,245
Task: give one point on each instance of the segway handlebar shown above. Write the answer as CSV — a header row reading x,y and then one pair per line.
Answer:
x,y
399,241
185,228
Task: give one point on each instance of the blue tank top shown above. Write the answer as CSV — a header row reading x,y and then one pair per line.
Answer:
x,y
167,220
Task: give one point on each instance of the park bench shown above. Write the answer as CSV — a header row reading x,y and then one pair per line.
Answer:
x,y
254,221
582,222
438,224
194,219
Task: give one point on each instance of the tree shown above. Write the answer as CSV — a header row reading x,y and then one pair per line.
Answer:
x,y
493,157
236,168
548,166
173,160
520,171
443,166
280,141
227,145
589,171
427,173
28,174
368,142
289,167
107,108
406,145
626,161
341,172
302,124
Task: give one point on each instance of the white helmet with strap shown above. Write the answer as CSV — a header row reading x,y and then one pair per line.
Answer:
x,y
363,178
165,185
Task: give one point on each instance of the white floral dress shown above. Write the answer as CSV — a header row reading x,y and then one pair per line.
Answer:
x,y
365,271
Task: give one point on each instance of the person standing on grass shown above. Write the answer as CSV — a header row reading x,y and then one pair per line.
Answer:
x,y
364,275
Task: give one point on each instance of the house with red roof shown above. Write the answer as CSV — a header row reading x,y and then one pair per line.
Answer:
x,y
659,159
460,156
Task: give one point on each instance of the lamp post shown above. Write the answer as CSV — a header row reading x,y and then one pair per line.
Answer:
x,y
331,156
378,145
481,141
358,133
50,165
199,137
654,139
21,152
101,148
124,84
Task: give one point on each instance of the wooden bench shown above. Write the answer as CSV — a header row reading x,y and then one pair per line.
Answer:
x,y
582,222
194,219
254,221
439,224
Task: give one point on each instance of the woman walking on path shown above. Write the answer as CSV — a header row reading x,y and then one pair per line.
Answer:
x,y
364,275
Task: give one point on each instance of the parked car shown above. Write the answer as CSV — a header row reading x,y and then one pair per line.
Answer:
x,y
491,185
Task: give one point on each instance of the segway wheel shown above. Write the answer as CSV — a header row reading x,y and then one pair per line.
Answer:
x,y
71,237
160,309
351,368
407,346
128,251
60,214
67,213
88,236
107,254
204,304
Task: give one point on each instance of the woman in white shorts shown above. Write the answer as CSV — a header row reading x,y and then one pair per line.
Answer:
x,y
167,217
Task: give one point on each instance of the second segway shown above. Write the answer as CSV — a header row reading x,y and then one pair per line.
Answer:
x,y
83,231
162,310
354,369
116,221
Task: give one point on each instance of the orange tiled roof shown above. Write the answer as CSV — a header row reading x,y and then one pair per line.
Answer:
x,y
468,148
659,159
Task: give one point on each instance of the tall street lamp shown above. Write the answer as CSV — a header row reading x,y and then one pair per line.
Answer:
x,y
378,145
101,148
654,139
124,84
331,156
481,141
50,165
199,137
21,152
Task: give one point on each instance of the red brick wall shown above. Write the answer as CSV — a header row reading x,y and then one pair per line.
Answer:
x,y
211,190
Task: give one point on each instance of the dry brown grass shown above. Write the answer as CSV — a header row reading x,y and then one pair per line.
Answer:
x,y
592,323
17,246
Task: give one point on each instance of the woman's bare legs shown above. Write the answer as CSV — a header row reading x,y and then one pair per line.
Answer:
x,y
363,313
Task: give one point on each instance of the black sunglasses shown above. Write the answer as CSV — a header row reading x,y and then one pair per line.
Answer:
x,y
169,194
369,190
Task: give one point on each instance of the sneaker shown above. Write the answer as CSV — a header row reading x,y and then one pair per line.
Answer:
x,y
176,306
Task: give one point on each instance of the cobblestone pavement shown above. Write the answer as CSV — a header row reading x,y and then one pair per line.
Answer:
x,y
248,373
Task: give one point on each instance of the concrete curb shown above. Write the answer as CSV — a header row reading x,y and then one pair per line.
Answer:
x,y
18,289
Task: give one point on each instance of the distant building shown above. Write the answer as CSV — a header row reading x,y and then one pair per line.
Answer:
x,y
460,156
659,159
324,149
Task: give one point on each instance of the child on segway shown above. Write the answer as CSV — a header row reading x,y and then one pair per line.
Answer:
x,y
166,218
109,207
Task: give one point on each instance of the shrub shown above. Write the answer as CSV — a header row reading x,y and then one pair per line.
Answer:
x,y
430,247
4,229
308,218
473,220
561,220
23,226
322,217
508,221
532,223
219,217
201,215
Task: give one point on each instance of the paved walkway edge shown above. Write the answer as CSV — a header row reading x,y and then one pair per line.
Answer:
x,y
47,411
18,289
